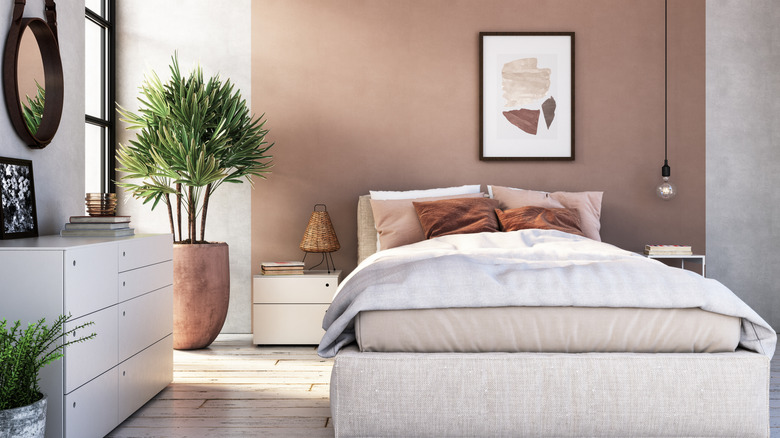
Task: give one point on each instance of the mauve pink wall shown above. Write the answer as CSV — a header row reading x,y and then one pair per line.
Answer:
x,y
384,95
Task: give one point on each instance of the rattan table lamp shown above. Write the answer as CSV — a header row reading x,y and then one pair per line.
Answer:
x,y
320,237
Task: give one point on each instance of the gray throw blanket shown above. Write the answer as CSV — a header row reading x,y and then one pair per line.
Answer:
x,y
526,268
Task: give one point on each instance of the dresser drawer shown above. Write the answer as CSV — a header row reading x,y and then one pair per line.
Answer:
x,y
91,410
144,320
294,288
139,252
144,375
288,323
90,279
142,280
85,360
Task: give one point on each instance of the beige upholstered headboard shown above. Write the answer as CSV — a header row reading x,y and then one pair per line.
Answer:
x,y
366,230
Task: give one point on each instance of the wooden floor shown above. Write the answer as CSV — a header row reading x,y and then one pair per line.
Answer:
x,y
236,389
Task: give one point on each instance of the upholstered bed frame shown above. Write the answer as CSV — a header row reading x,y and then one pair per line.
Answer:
x,y
545,394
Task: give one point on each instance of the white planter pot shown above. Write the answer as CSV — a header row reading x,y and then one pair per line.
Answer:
x,y
24,422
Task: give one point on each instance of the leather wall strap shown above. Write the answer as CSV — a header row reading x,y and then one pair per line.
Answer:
x,y
51,16
50,11
18,11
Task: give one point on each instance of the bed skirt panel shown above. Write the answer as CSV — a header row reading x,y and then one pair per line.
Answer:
x,y
549,394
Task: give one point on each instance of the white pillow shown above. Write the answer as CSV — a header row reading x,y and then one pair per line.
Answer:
x,y
429,193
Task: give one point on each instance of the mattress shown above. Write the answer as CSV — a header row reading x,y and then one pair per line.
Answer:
x,y
547,329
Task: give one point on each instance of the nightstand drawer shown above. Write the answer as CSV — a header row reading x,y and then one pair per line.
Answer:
x,y
283,289
288,323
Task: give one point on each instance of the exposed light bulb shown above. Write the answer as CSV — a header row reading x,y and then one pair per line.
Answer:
x,y
666,190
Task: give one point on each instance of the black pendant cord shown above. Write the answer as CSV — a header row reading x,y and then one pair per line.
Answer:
x,y
665,170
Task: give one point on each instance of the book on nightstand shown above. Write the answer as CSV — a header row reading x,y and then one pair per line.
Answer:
x,y
282,268
668,250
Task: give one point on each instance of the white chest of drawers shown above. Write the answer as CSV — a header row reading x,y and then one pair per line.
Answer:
x,y
288,309
125,287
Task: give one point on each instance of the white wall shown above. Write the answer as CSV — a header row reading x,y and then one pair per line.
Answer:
x,y
58,169
217,37
743,153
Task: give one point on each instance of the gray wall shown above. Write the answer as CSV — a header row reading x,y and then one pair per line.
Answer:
x,y
217,37
58,169
743,159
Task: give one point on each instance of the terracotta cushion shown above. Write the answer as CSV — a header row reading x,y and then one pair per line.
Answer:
x,y
457,216
524,218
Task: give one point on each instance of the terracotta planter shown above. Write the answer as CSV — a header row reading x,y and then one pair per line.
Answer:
x,y
201,293
27,421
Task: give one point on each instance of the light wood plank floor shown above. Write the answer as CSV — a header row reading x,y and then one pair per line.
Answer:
x,y
236,389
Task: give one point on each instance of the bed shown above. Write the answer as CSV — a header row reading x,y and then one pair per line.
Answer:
x,y
478,377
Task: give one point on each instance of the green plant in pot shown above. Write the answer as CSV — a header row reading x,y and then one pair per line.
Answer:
x,y
194,135
23,353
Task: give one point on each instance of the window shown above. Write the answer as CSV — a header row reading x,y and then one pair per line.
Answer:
x,y
100,118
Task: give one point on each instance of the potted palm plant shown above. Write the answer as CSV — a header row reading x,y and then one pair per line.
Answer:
x,y
194,135
23,353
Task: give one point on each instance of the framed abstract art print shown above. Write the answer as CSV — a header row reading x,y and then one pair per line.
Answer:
x,y
18,216
526,96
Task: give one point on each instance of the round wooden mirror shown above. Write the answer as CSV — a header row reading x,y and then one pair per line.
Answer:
x,y
32,76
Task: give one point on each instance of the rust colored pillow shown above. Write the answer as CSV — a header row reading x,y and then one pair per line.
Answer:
x,y
457,216
523,218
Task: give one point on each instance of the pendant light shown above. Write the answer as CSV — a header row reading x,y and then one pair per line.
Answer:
x,y
666,190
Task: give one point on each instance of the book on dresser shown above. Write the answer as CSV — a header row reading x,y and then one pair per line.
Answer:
x,y
668,250
97,233
99,219
98,226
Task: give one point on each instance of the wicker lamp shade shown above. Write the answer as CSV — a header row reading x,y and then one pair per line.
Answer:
x,y
320,235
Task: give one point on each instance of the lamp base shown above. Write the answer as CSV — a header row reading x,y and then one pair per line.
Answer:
x,y
327,258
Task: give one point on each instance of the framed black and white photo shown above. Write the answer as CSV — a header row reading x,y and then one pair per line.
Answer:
x,y
526,96
18,215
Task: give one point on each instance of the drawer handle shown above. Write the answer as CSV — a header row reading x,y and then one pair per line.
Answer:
x,y
123,313
74,263
123,253
123,373
327,284
74,404
123,284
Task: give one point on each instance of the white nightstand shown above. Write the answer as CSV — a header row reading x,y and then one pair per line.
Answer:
x,y
288,309
696,258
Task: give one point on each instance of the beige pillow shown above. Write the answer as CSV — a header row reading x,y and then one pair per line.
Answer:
x,y
516,198
588,204
396,219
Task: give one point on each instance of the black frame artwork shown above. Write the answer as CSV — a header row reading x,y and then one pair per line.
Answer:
x,y
18,215
526,96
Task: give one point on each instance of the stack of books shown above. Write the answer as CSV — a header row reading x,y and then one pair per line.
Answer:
x,y
668,250
282,268
98,226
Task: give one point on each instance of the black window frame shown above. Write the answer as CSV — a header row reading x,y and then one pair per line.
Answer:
x,y
108,80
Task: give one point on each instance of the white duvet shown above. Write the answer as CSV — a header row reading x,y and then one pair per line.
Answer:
x,y
526,268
